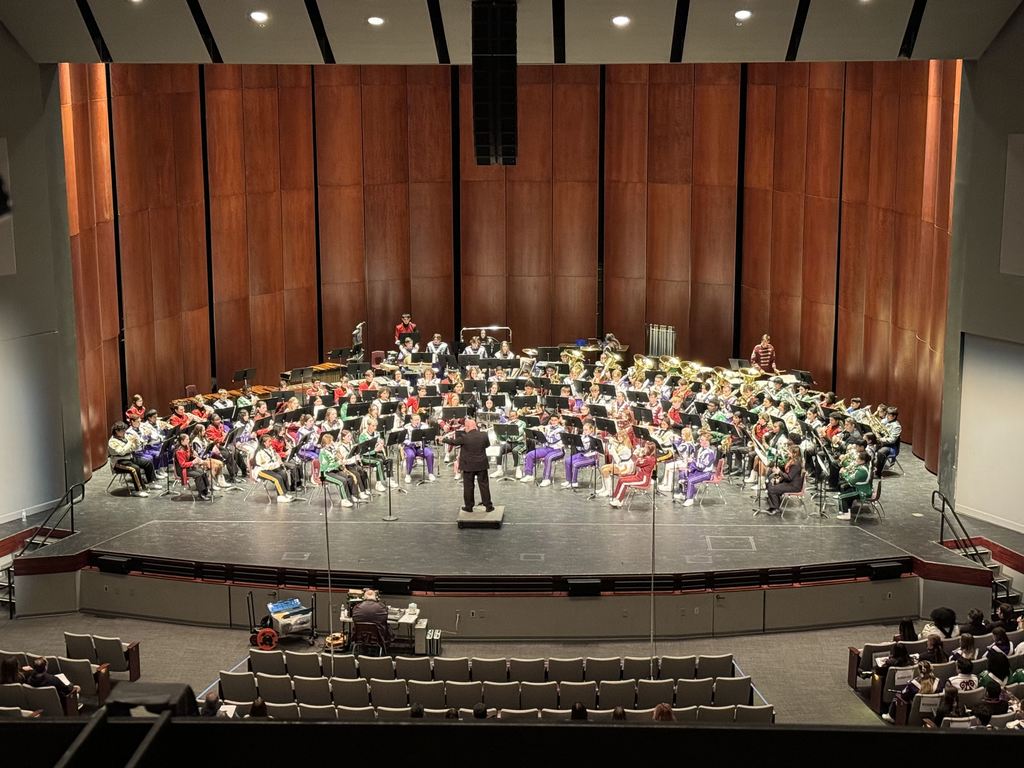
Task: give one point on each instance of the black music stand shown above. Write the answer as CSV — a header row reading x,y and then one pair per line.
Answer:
x,y
556,402
575,445
244,375
506,433
606,425
422,437
394,438
643,415
167,451
598,410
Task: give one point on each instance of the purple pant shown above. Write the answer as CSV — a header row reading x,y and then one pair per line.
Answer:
x,y
577,462
151,452
548,455
694,479
412,451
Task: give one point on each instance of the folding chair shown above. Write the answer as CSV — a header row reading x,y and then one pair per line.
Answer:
x,y
451,669
275,689
571,693
715,482
501,695
489,670
707,714
302,664
388,693
427,693
617,693
599,669
526,670
651,693
873,503
350,693
789,499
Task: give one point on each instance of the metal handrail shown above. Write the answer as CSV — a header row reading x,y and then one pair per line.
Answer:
x,y
962,538
66,506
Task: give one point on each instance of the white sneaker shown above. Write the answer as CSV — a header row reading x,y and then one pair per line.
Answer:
x,y
140,494
364,495
154,486
887,717
457,476
497,473
283,499
519,473
346,503
844,516
602,493
566,484
526,479
161,475
574,485
615,503
688,503
678,496
408,478
221,482
380,487
392,483
751,478
545,483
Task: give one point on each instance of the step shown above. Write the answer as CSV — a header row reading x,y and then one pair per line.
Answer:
x,y
996,568
1004,582
985,554
1013,599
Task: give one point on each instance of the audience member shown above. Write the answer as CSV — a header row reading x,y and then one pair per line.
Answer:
x,y
479,711
663,713
964,679
451,714
976,623
966,649
416,711
578,711
10,671
924,682
943,622
933,651
258,708
907,633
41,678
211,705
1006,619
996,699
950,705
1000,643
984,717
998,670
619,713
898,657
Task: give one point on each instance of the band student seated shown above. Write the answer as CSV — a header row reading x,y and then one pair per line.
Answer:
x,y
788,479
267,465
700,470
515,445
187,463
549,453
586,458
888,446
152,440
413,449
124,459
854,483
644,461
404,328
331,471
763,355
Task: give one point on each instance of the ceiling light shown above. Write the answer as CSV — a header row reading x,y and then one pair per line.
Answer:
x,y
742,15
260,17
621,21
375,21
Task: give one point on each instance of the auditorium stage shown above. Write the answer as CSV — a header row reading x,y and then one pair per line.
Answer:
x,y
549,533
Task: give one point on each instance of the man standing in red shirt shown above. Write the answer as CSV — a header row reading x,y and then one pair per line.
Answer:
x,y
404,327
763,356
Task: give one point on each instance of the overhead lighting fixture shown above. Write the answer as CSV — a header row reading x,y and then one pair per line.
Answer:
x,y
621,21
375,21
742,15
260,17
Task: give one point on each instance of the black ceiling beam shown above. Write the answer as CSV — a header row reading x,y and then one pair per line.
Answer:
x,y
679,30
320,31
94,31
437,27
798,29
558,29
204,31
913,27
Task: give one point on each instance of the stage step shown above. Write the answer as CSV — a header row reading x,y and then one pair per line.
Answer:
x,y
985,554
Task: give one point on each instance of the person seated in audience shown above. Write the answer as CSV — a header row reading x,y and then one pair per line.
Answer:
x,y
976,623
211,705
372,611
943,622
950,705
10,672
578,711
479,711
1000,643
416,711
924,682
899,656
933,652
907,633
983,714
964,679
619,713
258,708
663,713
41,678
451,714
997,699
998,669
966,649
1006,619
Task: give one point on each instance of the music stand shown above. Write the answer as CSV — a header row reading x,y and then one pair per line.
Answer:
x,y
524,401
558,403
608,390
606,425
575,445
508,433
643,415
244,375
423,436
637,396
394,437
598,410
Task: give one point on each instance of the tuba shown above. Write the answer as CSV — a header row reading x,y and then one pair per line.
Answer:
x,y
641,365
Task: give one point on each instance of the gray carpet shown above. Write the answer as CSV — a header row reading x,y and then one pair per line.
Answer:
x,y
802,674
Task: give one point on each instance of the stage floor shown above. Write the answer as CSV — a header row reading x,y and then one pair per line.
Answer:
x,y
547,532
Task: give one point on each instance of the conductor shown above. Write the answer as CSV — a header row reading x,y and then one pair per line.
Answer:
x,y
473,461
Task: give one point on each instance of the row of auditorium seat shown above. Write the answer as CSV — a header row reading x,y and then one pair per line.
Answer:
x,y
924,705
323,691
764,715
498,670
862,659
118,656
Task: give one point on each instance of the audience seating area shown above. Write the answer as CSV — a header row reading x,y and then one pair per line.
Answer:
x,y
308,685
879,690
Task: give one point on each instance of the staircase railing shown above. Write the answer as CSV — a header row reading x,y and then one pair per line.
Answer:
x,y
64,508
958,531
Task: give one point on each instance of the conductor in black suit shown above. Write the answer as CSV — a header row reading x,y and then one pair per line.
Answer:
x,y
473,462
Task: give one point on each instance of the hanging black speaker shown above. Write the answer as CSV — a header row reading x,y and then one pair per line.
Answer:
x,y
494,81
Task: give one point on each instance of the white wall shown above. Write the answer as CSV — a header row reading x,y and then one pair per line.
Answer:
x,y
991,439
39,412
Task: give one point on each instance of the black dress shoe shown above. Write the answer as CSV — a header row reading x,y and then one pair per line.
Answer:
x,y
488,509
205,496
466,509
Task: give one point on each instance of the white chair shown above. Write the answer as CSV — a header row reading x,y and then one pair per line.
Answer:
x,y
120,656
267,662
302,664
393,713
275,689
350,693
283,711
79,646
237,686
716,714
356,713
317,712
83,674
313,690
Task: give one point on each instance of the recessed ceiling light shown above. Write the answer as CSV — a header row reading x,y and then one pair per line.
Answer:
x,y
260,17
742,15
375,21
621,21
